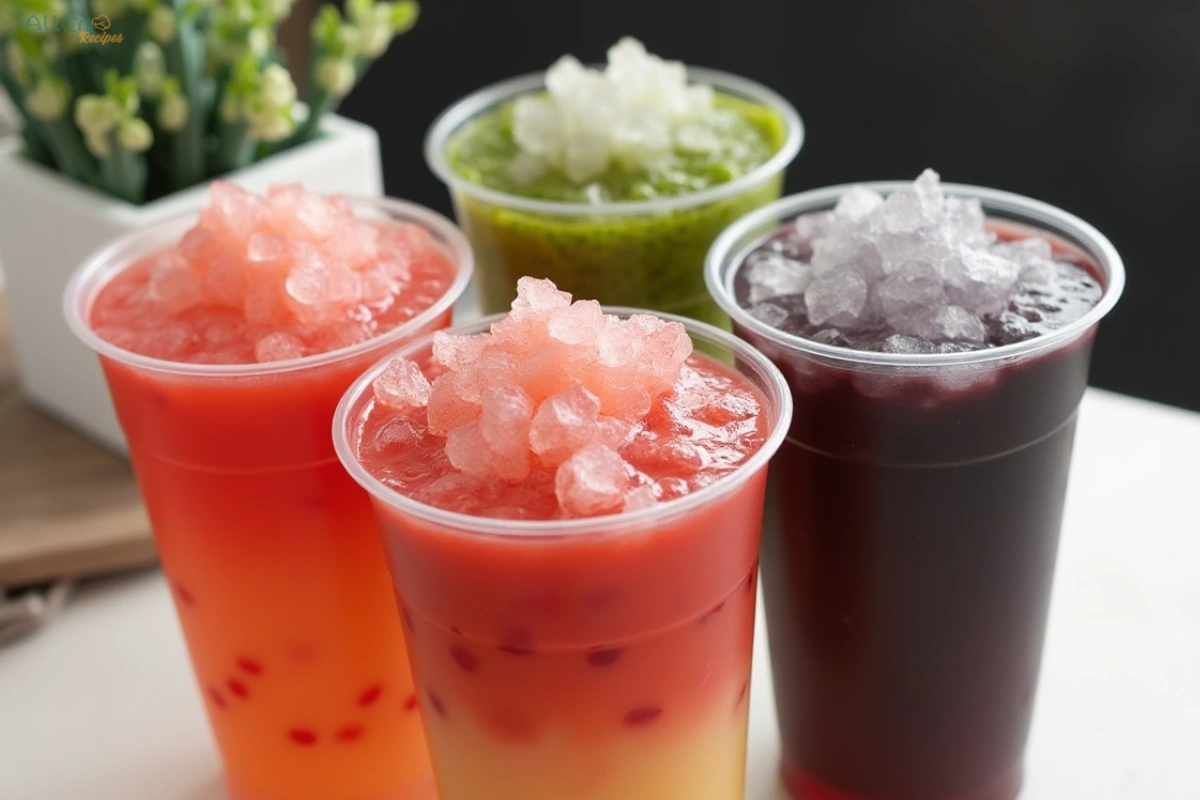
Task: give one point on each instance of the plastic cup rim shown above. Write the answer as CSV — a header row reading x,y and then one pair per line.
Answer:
x,y
87,280
481,100
725,257
776,391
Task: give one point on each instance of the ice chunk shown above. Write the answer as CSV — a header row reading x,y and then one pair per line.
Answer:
x,y
564,423
978,280
771,275
770,314
578,323
899,343
957,324
856,204
836,298
539,295
279,346
592,481
402,385
911,289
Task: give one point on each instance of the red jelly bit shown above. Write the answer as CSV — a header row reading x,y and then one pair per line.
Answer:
x,y
370,695
464,659
302,736
349,733
435,703
184,595
237,687
642,715
249,666
707,618
603,658
512,724
518,643
749,584
410,702
217,698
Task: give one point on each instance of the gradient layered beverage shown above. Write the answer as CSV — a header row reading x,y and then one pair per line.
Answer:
x,y
936,348
611,182
573,509
227,341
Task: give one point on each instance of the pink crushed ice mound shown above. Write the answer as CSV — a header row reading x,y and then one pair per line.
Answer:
x,y
279,277
564,411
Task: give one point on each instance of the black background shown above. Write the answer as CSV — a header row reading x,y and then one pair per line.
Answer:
x,y
1091,105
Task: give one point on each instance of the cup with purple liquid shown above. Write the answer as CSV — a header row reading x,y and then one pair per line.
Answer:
x,y
936,340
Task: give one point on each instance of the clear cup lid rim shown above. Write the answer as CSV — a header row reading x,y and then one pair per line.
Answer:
x,y
726,257
349,414
88,279
469,107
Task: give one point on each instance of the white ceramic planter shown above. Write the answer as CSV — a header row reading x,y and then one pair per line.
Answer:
x,y
49,224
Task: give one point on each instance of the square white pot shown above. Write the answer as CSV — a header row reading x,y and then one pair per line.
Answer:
x,y
49,224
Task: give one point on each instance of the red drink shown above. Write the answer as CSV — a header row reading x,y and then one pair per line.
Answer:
x,y
270,549
563,646
914,517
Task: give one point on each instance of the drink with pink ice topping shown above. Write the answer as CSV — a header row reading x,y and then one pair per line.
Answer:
x,y
227,341
571,502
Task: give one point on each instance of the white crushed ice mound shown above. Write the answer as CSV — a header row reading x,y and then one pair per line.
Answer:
x,y
633,112
917,263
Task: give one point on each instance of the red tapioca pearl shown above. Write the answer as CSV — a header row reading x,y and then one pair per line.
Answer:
x,y
604,658
410,702
217,698
642,715
249,666
370,695
512,724
350,733
237,687
518,642
302,736
436,703
707,618
741,696
464,659
185,595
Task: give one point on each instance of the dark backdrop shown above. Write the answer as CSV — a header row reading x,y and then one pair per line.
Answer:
x,y
1092,105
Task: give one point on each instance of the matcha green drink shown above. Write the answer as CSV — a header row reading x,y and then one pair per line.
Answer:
x,y
612,183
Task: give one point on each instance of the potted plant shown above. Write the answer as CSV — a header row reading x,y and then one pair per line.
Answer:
x,y
129,108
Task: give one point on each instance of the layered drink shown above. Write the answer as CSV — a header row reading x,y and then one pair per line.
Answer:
x,y
572,501
227,340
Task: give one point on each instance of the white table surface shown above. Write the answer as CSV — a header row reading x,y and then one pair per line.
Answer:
x,y
101,705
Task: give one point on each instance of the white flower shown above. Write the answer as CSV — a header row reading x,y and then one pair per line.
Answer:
x,y
134,134
96,114
162,25
276,86
49,98
173,112
98,145
335,75
149,68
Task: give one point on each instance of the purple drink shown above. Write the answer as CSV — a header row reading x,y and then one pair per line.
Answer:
x,y
914,514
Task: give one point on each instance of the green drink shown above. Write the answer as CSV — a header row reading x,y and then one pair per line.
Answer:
x,y
628,233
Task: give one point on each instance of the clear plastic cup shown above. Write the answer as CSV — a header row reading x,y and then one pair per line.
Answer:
x,y
913,522
645,254
270,549
605,658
